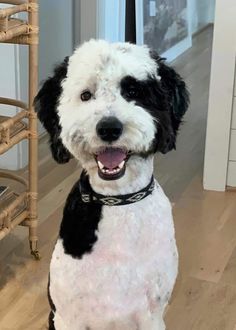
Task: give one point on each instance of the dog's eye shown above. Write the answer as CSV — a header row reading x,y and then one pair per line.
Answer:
x,y
86,96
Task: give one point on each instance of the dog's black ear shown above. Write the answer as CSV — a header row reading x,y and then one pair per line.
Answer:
x,y
174,85
45,104
177,94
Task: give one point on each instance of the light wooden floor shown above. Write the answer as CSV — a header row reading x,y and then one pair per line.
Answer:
x,y
205,294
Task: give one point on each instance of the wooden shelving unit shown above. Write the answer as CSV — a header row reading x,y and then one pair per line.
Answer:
x,y
19,206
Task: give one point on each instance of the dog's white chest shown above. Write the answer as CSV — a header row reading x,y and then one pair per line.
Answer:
x,y
131,269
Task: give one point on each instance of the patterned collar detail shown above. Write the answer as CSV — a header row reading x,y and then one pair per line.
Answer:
x,y
90,196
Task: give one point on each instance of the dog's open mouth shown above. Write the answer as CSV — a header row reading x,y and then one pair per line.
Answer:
x,y
111,163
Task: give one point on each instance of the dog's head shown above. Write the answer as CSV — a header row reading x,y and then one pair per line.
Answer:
x,y
111,104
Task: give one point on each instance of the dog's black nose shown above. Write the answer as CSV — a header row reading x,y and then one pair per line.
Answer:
x,y
109,129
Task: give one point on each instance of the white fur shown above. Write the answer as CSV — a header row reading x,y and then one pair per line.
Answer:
x,y
125,283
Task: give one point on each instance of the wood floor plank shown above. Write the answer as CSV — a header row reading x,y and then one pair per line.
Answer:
x,y
55,174
229,275
205,229
189,301
200,305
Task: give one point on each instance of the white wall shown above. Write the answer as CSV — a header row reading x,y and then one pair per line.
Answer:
x,y
56,42
101,19
221,96
8,88
85,20
56,34
203,13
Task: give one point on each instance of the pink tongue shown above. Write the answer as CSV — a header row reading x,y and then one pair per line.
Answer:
x,y
111,158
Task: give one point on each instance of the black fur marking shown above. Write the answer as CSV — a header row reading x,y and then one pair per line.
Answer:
x,y
53,308
51,325
166,100
80,222
45,104
175,87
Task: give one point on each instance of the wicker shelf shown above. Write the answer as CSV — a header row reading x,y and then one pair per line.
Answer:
x,y
18,205
13,203
14,30
13,129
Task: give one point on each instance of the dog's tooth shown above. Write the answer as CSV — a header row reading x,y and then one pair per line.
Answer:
x,y
100,165
121,165
110,172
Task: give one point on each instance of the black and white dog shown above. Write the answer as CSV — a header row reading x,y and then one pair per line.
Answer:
x,y
112,107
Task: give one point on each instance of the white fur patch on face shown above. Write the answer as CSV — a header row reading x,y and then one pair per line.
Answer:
x,y
99,67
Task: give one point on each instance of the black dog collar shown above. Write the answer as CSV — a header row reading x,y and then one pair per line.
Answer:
x,y
89,196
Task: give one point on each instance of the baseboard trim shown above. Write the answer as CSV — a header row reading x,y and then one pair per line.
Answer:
x,y
203,28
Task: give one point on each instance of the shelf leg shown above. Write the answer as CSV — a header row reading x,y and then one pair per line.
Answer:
x,y
34,250
33,140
